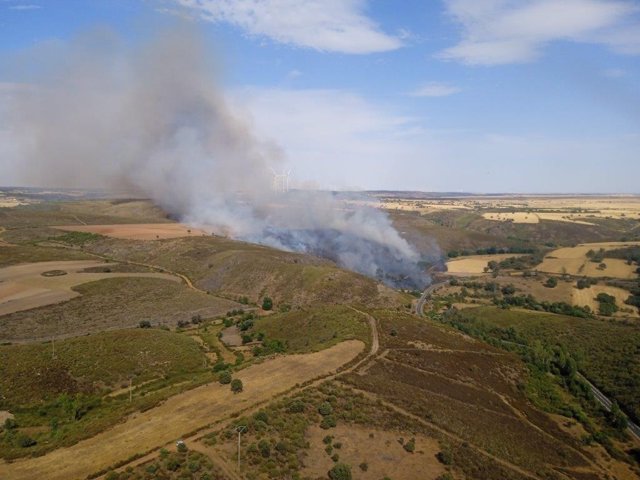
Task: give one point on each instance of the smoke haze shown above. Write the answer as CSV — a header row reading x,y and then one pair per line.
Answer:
x,y
151,120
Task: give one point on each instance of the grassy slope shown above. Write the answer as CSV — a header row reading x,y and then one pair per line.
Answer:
x,y
235,269
313,329
607,351
112,303
60,401
461,385
92,363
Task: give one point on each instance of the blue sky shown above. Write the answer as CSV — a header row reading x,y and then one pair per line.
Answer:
x,y
452,95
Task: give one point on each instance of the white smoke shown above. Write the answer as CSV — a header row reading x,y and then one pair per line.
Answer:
x,y
151,120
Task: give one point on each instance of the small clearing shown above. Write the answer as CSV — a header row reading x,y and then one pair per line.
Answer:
x,y
587,296
382,452
574,261
23,287
180,415
475,264
141,231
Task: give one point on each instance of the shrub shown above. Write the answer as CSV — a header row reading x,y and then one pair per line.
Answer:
x,y
225,377
26,441
340,471
410,446
144,324
325,409
364,466
335,457
265,448
236,385
297,406
445,457
196,319
328,422
551,282
172,464
182,447
261,416
337,445
267,303
10,424
220,366
327,440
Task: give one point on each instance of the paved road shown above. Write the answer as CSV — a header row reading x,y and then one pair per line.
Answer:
x,y
606,403
426,295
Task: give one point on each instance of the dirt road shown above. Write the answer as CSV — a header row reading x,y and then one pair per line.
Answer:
x,y
180,415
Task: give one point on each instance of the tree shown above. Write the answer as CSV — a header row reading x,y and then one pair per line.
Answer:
x,y
617,418
236,385
552,282
267,303
225,377
325,409
340,471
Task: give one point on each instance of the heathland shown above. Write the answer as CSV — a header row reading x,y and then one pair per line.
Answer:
x,y
123,332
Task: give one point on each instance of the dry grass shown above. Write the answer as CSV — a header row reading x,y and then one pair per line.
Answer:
x,y
379,449
574,261
474,264
23,287
180,415
148,231
587,296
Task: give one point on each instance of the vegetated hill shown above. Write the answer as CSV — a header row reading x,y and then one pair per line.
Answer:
x,y
311,329
95,212
112,303
473,394
235,269
465,230
59,400
607,352
436,392
423,231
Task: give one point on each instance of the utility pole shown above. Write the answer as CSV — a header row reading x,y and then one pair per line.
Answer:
x,y
240,429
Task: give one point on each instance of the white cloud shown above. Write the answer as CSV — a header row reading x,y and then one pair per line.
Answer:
x,y
507,31
435,89
338,139
25,7
325,25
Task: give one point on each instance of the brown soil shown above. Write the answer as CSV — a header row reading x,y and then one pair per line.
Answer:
x,y
180,415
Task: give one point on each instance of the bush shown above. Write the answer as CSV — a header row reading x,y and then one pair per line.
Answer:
x,y
196,319
144,324
445,457
26,441
10,424
225,377
236,385
552,282
267,303
327,440
297,406
340,471
364,466
335,457
265,448
328,422
325,409
261,416
410,446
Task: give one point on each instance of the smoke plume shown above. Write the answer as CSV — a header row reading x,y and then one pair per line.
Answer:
x,y
151,120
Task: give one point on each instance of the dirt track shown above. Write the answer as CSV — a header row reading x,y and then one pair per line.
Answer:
x,y
140,231
180,415
23,287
